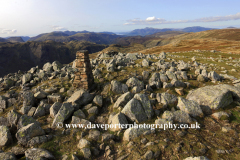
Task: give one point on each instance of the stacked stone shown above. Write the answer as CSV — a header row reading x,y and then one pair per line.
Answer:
x,y
84,77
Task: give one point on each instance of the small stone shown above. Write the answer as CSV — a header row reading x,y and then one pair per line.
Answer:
x,y
179,91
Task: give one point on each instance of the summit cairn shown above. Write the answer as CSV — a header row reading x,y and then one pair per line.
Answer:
x,y
84,77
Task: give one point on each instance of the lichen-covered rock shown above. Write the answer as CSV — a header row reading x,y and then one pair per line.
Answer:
x,y
148,155
18,150
79,113
107,136
13,117
234,90
118,88
64,113
220,115
40,111
115,119
48,67
178,83
171,75
201,78
81,97
83,143
8,83
123,100
136,89
167,85
214,76
182,66
168,115
163,78
5,136
26,133
204,73
54,98
38,153
7,156
190,107
3,121
57,66
94,135
86,153
25,109
98,100
131,56
135,82
3,104
162,55
25,120
132,133
28,98
182,117
26,78
40,95
168,99
145,63
93,110
55,108
145,75
144,100
134,111
214,97
39,140
154,81
31,111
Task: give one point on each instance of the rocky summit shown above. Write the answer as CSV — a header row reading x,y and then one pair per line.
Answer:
x,y
164,106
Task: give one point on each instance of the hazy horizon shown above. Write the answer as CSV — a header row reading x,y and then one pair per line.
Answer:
x,y
30,18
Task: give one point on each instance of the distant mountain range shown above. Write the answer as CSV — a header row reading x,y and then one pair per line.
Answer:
x,y
97,37
149,31
15,39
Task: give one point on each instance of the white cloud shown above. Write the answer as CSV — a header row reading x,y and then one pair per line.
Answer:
x,y
9,31
58,28
153,20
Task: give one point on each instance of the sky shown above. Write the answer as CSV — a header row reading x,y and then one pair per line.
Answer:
x,y
33,17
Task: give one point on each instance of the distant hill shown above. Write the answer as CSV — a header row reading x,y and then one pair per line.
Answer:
x,y
195,29
166,34
54,36
15,39
3,40
225,40
23,56
146,31
70,33
25,38
149,31
99,38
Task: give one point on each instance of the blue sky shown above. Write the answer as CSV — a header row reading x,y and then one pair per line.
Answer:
x,y
32,17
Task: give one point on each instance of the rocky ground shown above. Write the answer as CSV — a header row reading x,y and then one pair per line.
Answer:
x,y
154,89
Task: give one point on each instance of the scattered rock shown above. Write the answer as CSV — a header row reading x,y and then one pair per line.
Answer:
x,y
26,133
190,107
38,153
6,137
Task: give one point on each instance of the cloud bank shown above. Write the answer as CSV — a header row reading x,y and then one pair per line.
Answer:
x,y
58,28
9,31
153,20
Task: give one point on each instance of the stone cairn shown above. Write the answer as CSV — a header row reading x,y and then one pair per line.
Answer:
x,y
84,77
